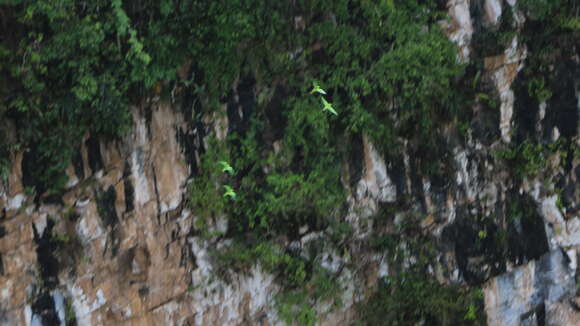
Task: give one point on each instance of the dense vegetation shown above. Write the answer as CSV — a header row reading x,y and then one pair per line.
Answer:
x,y
70,68
73,67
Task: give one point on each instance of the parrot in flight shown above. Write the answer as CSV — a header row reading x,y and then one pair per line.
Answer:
x,y
226,167
328,107
317,89
230,192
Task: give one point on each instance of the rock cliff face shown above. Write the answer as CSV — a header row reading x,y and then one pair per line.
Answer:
x,y
120,247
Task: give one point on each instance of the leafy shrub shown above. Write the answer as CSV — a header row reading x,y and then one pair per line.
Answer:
x,y
295,308
526,159
411,298
205,189
540,9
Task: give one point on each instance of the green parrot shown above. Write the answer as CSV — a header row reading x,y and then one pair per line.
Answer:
x,y
316,89
328,107
230,192
226,167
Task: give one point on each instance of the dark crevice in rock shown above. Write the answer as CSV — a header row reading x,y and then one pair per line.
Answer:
x,y
526,111
274,113
355,156
188,141
44,307
476,12
1,265
77,162
240,109
536,317
113,242
128,186
247,100
43,304
188,258
440,181
485,125
2,231
125,260
562,111
148,114
94,154
234,117
45,250
398,175
29,160
143,291
106,207
478,255
108,214
157,199
527,238
569,195
191,101
191,138
541,315
568,164
417,182
33,177
482,247
191,141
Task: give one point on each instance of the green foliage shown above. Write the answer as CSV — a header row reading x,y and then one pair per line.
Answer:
x,y
572,23
540,9
526,159
362,67
205,191
411,298
271,257
296,305
303,182
537,89
295,308
529,159
416,74
75,67
304,282
550,33
411,294
68,66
